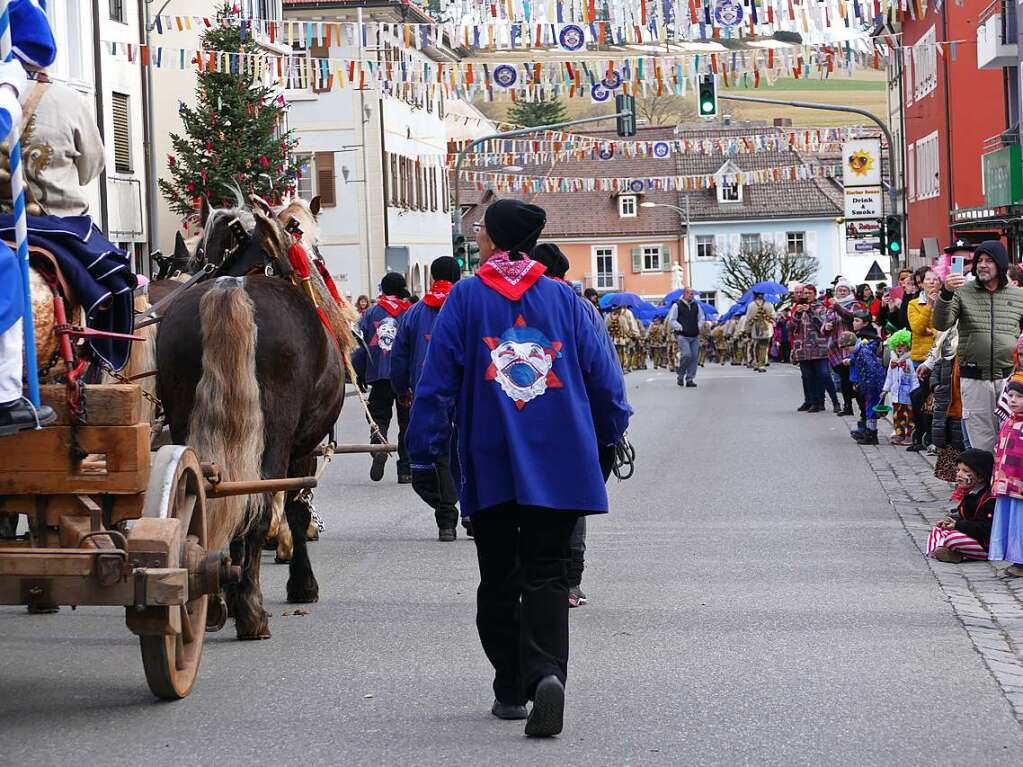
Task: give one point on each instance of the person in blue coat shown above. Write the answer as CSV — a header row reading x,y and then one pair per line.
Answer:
x,y
408,354
372,362
516,365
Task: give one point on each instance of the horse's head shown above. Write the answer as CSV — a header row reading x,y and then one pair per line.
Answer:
x,y
304,216
241,240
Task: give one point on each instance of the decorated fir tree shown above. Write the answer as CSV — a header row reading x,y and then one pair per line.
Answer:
x,y
233,136
533,113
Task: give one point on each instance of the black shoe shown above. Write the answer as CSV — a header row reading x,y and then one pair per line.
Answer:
x,y
447,534
804,407
19,416
547,717
467,524
690,384
869,437
508,710
836,409
376,471
916,447
847,410
815,408
404,478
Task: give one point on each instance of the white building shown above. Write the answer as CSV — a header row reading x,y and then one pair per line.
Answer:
x,y
83,29
375,160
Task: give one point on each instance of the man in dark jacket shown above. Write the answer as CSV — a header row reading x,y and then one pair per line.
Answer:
x,y
408,355
372,362
989,313
685,320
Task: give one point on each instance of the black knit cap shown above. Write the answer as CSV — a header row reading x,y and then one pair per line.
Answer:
x,y
445,268
392,284
980,462
550,255
514,225
1014,384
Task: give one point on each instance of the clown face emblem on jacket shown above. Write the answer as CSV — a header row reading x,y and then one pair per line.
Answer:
x,y
522,361
386,331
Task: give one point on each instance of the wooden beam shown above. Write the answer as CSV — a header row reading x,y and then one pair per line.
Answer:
x,y
106,404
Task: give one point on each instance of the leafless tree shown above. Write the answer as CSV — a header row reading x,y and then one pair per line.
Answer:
x,y
740,271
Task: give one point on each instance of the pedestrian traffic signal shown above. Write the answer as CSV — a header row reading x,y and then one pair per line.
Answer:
x,y
626,123
458,250
892,236
707,96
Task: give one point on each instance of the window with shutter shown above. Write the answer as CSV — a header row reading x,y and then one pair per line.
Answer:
x,y
321,68
325,179
120,106
665,259
637,260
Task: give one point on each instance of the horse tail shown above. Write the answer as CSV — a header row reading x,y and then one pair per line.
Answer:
x,y
226,423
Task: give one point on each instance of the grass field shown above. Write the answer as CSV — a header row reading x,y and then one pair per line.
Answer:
x,y
866,90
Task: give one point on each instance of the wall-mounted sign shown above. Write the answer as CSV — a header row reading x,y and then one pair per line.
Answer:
x,y
861,162
863,202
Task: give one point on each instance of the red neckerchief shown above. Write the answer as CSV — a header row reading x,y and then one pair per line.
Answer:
x,y
510,278
438,292
393,305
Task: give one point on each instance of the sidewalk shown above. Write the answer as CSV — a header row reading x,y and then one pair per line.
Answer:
x,y
989,605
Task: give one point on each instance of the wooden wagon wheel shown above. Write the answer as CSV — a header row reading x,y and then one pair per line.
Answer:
x,y
177,491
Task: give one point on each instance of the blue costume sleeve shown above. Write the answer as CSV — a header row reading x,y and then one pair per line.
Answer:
x,y
605,384
401,353
429,429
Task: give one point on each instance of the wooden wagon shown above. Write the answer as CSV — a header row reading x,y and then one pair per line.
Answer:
x,y
119,526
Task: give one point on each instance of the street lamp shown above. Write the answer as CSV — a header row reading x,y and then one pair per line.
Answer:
x,y
683,214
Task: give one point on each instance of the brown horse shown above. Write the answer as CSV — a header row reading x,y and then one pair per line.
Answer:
x,y
249,377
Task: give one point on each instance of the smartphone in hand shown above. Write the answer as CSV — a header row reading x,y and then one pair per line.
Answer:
x,y
957,264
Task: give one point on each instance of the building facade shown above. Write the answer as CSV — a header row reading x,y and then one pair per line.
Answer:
x,y
375,159
952,108
113,87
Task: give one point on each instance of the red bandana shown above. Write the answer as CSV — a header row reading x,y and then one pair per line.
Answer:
x,y
393,305
435,298
510,278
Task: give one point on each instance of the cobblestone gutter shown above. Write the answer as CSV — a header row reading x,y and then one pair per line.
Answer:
x,y
988,604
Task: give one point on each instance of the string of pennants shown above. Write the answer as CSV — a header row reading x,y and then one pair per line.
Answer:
x,y
556,146
513,182
473,80
576,24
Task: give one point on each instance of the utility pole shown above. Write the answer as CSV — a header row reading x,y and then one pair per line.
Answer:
x,y
892,191
457,212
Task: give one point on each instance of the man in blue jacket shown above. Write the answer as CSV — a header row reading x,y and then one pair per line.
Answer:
x,y
372,363
408,354
516,364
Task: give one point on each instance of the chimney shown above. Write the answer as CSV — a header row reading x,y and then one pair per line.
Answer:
x,y
782,122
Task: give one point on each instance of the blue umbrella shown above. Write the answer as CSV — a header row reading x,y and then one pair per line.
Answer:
x,y
673,296
771,298
708,311
620,299
644,311
769,286
734,311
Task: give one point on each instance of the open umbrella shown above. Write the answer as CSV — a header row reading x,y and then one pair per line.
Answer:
x,y
644,311
709,312
771,298
612,300
769,286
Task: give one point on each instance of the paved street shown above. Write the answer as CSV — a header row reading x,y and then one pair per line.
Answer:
x,y
754,598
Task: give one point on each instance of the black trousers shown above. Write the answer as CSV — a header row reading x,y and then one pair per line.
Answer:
x,y
522,600
577,553
382,403
444,498
921,420
845,377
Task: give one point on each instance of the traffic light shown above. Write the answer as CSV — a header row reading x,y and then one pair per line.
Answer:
x,y
891,238
626,124
707,97
458,250
473,252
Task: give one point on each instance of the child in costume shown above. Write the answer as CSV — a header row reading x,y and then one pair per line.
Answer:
x,y
966,534
900,383
867,375
1007,485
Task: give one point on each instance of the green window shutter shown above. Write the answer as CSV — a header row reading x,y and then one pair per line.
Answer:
x,y
665,259
637,260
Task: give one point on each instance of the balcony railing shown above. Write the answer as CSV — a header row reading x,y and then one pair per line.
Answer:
x,y
996,35
1006,138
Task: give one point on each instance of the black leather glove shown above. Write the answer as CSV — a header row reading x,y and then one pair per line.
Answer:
x,y
426,483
